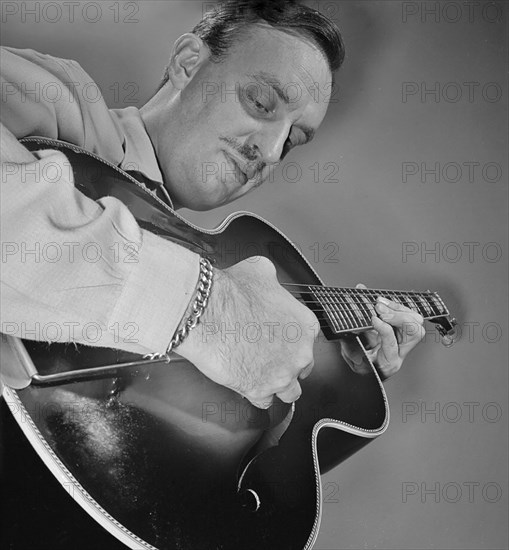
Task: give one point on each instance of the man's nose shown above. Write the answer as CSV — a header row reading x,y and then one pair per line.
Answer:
x,y
270,143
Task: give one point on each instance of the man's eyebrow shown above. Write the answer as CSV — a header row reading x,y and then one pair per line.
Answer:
x,y
272,81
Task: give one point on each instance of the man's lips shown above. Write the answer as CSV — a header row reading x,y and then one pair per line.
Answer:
x,y
245,171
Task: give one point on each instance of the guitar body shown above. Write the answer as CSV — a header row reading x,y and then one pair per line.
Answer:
x,y
165,458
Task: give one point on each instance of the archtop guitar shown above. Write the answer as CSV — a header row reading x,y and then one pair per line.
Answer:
x,y
162,457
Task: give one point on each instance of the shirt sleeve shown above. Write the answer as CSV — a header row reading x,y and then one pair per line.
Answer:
x,y
83,271
74,269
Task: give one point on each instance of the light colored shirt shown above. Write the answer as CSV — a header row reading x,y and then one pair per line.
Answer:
x,y
74,269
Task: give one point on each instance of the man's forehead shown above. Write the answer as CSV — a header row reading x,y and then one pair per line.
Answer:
x,y
279,57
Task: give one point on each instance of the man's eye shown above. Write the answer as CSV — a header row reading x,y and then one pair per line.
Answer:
x,y
261,107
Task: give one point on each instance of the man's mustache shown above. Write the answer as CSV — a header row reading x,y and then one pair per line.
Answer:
x,y
247,152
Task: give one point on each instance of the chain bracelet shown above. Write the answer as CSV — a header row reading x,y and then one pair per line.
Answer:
x,y
200,303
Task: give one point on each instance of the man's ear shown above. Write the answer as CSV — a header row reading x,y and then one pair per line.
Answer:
x,y
189,52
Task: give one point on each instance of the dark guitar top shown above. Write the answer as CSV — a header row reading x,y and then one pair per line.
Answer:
x,y
161,456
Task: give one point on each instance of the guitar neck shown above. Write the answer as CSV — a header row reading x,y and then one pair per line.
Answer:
x,y
351,309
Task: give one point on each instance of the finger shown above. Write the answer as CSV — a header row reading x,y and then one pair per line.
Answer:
x,y
395,306
370,338
397,316
360,285
409,327
264,403
389,348
354,356
291,394
306,371
409,335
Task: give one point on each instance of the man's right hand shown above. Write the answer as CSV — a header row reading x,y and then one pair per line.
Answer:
x,y
254,337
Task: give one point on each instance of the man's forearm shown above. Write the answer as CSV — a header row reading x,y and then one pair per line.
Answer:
x,y
78,270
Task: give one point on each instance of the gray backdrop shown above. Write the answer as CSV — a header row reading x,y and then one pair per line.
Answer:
x,y
404,186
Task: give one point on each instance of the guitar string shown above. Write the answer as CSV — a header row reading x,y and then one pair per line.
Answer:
x,y
368,292
360,315
428,296
355,289
339,302
357,323
349,304
365,293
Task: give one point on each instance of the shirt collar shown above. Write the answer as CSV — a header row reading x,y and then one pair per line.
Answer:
x,y
139,154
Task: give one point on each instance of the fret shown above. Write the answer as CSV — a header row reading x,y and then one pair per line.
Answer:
x,y
368,304
321,295
356,311
349,309
342,311
350,316
328,309
433,305
363,305
373,296
414,305
425,304
419,304
427,311
392,296
407,301
438,303
412,302
335,306
442,308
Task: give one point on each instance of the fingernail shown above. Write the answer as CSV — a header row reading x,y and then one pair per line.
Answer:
x,y
383,300
382,308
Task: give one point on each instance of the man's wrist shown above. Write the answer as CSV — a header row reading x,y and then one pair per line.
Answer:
x,y
194,311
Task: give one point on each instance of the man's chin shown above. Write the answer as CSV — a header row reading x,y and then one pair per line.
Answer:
x,y
225,193
209,203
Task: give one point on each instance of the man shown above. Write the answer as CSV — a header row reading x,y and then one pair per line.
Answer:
x,y
256,48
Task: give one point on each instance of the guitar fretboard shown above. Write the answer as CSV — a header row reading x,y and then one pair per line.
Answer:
x,y
349,309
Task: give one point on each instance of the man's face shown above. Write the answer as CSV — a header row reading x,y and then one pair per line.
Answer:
x,y
236,119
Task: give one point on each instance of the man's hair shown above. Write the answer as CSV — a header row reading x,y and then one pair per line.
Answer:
x,y
228,20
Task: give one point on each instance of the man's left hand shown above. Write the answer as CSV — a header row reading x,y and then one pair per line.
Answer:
x,y
396,331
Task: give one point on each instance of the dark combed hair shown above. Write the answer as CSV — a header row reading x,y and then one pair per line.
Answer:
x,y
225,23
